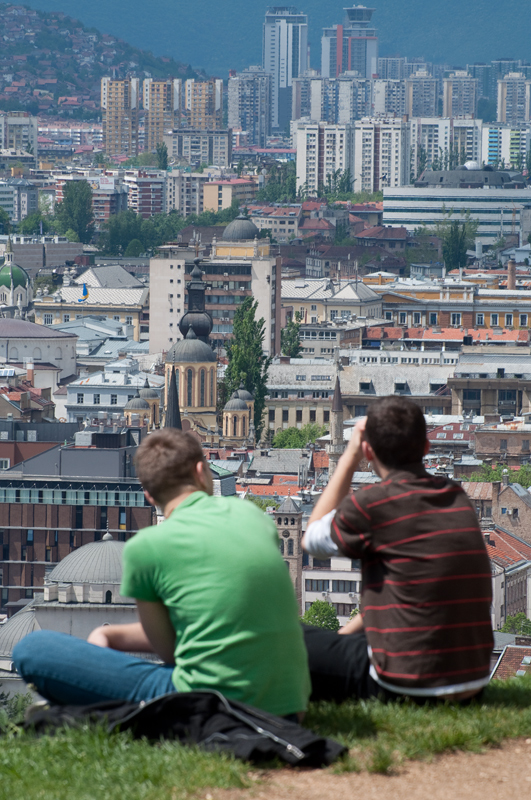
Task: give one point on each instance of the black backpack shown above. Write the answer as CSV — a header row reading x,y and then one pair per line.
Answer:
x,y
204,718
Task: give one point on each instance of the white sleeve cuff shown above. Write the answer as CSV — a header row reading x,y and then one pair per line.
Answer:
x,y
318,539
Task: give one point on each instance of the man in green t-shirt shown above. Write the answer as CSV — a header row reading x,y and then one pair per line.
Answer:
x,y
214,599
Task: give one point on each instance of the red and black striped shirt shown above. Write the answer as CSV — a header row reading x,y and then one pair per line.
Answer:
x,y
427,587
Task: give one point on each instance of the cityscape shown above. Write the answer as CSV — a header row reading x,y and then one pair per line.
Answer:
x,y
255,258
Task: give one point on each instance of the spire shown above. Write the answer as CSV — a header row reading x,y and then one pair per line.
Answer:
x,y
146,384
173,414
337,403
8,254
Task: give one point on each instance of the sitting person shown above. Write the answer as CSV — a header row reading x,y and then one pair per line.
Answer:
x,y
425,627
214,599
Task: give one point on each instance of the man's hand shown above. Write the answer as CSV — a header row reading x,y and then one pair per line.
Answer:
x,y
354,625
354,451
129,638
98,637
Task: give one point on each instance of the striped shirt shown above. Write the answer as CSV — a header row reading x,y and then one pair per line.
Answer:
x,y
427,587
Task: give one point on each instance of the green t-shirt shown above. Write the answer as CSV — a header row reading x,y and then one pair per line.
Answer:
x,y
215,564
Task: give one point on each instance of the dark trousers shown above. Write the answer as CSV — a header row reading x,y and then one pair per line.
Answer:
x,y
339,666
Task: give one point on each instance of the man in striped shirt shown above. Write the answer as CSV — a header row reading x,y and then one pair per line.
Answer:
x,y
425,628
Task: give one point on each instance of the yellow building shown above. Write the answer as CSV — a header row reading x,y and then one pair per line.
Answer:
x,y
218,195
162,107
203,101
120,103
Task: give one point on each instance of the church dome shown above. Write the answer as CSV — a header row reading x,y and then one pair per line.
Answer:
x,y
97,562
16,628
190,350
200,321
243,394
147,393
13,273
235,404
240,229
137,404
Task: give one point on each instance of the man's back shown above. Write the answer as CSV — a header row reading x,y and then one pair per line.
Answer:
x,y
215,565
426,580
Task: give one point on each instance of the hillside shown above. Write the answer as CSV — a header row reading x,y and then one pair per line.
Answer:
x,y
218,36
52,64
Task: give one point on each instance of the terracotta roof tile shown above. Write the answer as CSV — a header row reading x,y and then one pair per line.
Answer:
x,y
510,662
478,491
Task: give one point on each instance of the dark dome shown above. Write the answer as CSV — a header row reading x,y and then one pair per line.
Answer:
x,y
190,351
235,404
243,394
147,392
20,624
240,229
200,321
137,404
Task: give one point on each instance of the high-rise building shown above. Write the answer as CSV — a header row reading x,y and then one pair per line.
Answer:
x,y
388,97
284,57
505,145
381,154
460,95
162,106
145,191
184,191
203,104
249,104
353,45
322,150
437,142
335,100
514,99
120,101
391,68
421,95
197,147
18,131
485,77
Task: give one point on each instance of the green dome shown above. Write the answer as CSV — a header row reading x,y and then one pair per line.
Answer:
x,y
16,273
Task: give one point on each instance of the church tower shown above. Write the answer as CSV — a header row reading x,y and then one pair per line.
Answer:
x,y
337,445
288,519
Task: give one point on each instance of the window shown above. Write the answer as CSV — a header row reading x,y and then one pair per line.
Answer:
x,y
23,552
525,445
515,513
509,320
114,399
29,537
189,383
79,517
116,318
80,398
129,320
456,318
416,318
343,586
312,414
326,415
433,318
290,547
494,319
316,586
48,319
271,415
122,519
202,388
300,377
66,317
503,444
5,463
523,320
402,318
343,609
48,554
108,597
281,546
504,511
285,413
96,400
298,415
480,319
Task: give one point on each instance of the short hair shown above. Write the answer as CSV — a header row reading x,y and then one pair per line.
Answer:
x,y
396,431
165,463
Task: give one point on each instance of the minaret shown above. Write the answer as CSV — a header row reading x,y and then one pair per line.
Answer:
x,y
196,317
337,445
8,259
173,414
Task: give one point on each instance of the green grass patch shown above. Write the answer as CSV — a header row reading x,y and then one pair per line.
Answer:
x,y
89,764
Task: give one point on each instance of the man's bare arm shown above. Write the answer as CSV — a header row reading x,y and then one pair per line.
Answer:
x,y
153,634
130,638
354,625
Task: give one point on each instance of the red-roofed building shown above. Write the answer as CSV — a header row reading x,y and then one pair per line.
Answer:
x,y
456,437
317,227
515,661
283,221
385,236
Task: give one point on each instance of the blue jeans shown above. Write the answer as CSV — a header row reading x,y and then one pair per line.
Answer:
x,y
70,671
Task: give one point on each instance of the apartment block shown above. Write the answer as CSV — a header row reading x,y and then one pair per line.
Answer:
x,y
505,145
249,104
196,146
284,57
145,192
421,95
388,97
18,198
184,191
335,100
120,103
162,107
352,45
514,99
18,131
381,154
460,95
322,150
218,195
203,104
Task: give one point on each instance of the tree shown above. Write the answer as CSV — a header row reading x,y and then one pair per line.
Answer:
x,y
247,361
454,247
322,615
134,248
518,624
293,438
5,222
263,503
162,155
290,343
75,212
31,224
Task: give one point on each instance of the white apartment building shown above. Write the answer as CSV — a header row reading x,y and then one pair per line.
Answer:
x,y
184,191
433,137
381,154
336,100
249,104
514,99
18,131
421,95
505,145
284,57
339,585
322,150
460,95
388,97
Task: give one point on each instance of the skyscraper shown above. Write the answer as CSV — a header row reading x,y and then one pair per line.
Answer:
x,y
421,95
352,45
162,104
249,94
514,99
120,101
323,151
203,104
285,56
460,95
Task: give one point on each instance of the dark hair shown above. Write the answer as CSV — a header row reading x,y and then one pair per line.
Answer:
x,y
396,431
165,463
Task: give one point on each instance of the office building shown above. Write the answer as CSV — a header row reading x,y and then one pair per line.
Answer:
x,y
196,147
381,154
460,95
249,104
162,110
284,57
322,150
352,45
18,131
514,99
203,104
421,95
120,102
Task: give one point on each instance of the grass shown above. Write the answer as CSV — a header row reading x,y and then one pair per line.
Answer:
x,y
88,764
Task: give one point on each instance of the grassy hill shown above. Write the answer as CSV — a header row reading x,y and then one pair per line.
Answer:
x,y
219,36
